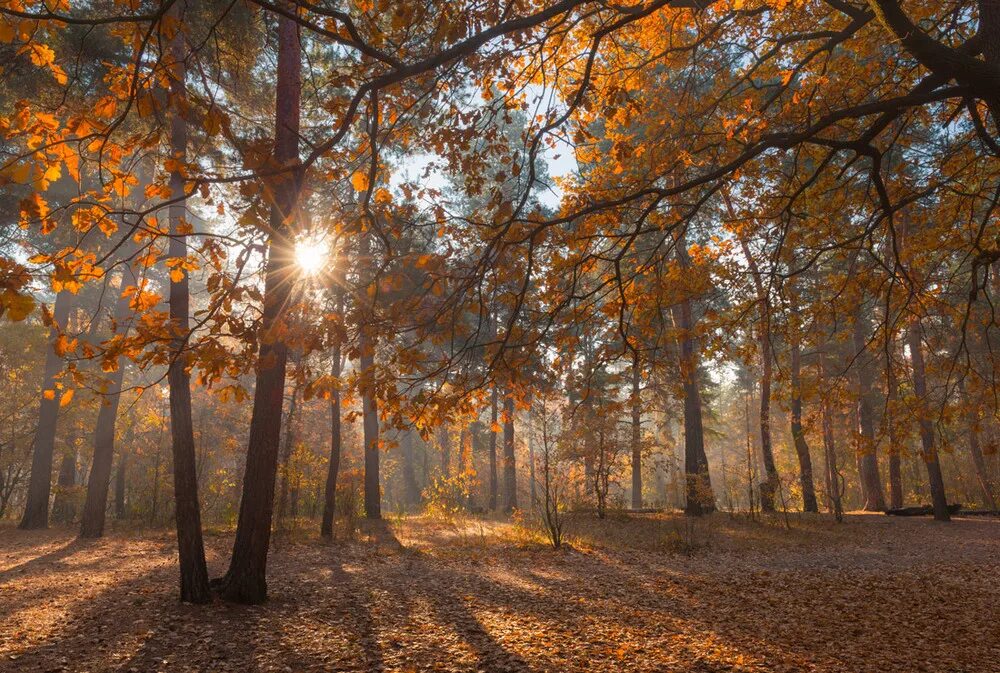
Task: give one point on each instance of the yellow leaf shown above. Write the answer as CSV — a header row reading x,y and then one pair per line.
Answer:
x,y
360,181
49,394
66,398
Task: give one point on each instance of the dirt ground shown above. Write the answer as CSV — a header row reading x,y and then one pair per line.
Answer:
x,y
637,594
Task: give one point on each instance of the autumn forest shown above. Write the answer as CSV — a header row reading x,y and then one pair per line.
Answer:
x,y
499,335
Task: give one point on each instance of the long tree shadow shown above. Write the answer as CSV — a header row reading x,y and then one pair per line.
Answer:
x,y
46,560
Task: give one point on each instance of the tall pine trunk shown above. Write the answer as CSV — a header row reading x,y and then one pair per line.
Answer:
x,y
99,482
636,432
809,503
36,511
333,468
494,416
509,467
187,510
871,484
373,491
929,452
246,579
895,466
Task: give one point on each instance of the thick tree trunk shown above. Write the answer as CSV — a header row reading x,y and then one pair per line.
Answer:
x,y
509,468
494,482
94,509
187,510
871,484
700,498
36,511
333,468
636,432
809,503
245,580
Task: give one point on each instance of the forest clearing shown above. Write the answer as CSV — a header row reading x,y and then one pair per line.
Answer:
x,y
475,595
499,335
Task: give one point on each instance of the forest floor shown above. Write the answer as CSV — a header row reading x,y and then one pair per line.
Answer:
x,y
642,593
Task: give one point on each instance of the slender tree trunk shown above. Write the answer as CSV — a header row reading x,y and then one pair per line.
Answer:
x,y
373,494
531,463
871,484
36,511
245,580
286,454
187,510
494,416
94,509
769,487
809,503
120,484
410,489
63,509
929,453
330,497
636,432
509,468
895,467
444,443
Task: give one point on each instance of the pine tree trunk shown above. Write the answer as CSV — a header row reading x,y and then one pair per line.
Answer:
x,y
509,468
187,510
410,489
99,482
809,503
929,453
36,511
120,484
871,484
895,467
246,581
63,509
373,494
494,482
636,433
330,494
286,455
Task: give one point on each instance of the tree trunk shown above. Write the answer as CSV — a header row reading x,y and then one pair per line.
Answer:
x,y
94,509
494,415
373,494
509,468
929,453
444,443
187,510
531,462
36,511
410,489
769,487
636,433
330,496
871,484
286,454
63,509
833,479
895,471
245,580
809,503
120,484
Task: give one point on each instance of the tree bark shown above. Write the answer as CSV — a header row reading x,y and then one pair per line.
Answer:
x,y
871,484
373,494
929,453
246,581
36,511
494,482
809,503
410,489
63,509
770,484
636,432
895,467
286,454
187,510
94,509
333,468
509,468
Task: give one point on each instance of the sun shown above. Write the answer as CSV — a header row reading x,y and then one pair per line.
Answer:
x,y
311,254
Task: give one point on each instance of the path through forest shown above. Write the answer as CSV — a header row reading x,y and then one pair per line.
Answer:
x,y
876,594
